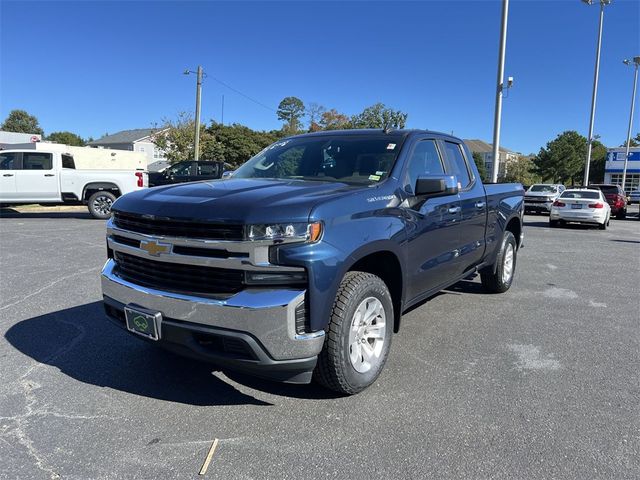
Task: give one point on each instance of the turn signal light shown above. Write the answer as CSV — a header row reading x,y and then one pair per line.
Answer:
x,y
596,205
314,231
558,203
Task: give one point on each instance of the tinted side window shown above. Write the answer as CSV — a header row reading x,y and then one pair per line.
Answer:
x,y
36,161
209,169
67,161
9,161
424,160
458,164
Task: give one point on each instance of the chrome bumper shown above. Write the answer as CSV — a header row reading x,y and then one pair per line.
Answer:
x,y
268,315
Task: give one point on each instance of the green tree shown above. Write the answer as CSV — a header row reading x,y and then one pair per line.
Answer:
x,y
598,160
334,120
634,141
291,111
482,169
21,122
67,138
520,171
315,112
235,144
379,116
562,160
177,137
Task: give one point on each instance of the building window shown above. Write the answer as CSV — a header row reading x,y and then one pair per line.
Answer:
x,y
632,182
158,153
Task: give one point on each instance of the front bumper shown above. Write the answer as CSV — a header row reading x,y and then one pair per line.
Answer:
x,y
262,320
537,206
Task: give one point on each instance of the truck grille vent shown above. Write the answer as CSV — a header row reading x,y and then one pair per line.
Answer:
x,y
178,228
303,324
179,278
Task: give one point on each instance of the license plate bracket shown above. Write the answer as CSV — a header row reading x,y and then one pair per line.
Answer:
x,y
143,322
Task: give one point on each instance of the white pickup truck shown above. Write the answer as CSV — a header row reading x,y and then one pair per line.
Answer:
x,y
50,177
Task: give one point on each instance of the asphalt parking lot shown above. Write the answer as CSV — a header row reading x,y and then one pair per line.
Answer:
x,y
540,382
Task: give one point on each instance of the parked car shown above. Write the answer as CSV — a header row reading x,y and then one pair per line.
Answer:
x,y
302,263
51,178
540,196
187,171
581,205
634,196
616,198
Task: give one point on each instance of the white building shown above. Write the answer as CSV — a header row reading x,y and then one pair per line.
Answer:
x,y
7,138
138,140
614,167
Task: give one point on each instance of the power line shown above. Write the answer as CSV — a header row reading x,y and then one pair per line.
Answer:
x,y
242,94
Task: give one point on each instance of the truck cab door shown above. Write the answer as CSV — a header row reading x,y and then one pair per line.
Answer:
x,y
207,171
10,163
432,223
38,181
473,207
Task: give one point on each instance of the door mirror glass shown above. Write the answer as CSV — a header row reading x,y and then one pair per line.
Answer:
x,y
436,185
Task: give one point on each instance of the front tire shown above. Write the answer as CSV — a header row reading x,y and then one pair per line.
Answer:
x,y
499,279
359,335
99,204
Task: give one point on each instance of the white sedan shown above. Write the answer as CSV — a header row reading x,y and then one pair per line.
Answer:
x,y
580,205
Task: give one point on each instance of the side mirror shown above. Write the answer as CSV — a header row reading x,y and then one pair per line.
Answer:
x,y
227,173
436,185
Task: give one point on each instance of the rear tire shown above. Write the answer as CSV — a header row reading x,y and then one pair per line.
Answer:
x,y
500,278
622,214
553,223
603,225
359,335
99,204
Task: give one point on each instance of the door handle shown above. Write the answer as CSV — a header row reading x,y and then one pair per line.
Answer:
x,y
49,175
454,209
481,205
7,174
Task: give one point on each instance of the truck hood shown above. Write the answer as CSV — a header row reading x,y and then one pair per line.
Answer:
x,y
234,200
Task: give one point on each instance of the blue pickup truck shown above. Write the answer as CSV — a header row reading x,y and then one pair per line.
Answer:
x,y
300,265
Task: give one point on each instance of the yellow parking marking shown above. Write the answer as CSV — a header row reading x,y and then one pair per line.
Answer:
x,y
207,460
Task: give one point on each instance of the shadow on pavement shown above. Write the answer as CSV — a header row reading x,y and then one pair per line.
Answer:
x,y
11,213
84,345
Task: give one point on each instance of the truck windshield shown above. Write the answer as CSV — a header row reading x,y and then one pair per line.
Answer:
x,y
543,188
355,160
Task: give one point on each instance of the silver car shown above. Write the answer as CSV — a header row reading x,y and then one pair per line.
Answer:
x,y
581,205
540,196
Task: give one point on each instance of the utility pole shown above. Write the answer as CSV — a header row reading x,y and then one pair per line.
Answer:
x,y
498,111
196,143
585,181
636,62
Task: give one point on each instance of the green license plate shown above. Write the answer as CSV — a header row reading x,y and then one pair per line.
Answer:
x,y
143,322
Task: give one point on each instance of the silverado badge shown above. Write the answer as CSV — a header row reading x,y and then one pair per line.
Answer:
x,y
155,248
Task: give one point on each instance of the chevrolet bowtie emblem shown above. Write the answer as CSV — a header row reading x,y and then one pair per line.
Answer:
x,y
155,248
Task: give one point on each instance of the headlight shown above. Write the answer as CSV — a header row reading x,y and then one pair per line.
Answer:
x,y
309,232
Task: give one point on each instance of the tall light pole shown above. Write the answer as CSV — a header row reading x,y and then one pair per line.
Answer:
x,y
498,111
636,62
196,143
585,181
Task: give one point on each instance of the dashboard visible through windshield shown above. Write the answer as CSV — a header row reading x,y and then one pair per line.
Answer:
x,y
354,160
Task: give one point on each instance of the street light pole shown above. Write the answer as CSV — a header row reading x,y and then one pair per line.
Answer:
x,y
196,143
585,181
500,87
636,62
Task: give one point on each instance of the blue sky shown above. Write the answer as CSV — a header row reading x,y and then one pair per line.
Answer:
x,y
94,67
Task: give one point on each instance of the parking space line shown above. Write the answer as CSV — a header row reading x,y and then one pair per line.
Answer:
x,y
207,460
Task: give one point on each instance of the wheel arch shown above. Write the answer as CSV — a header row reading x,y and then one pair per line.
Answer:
x,y
386,265
93,187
